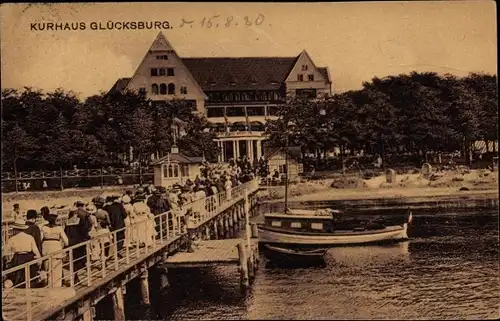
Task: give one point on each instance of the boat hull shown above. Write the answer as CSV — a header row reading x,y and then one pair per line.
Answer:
x,y
288,257
268,235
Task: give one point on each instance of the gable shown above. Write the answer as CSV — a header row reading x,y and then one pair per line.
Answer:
x,y
305,60
161,54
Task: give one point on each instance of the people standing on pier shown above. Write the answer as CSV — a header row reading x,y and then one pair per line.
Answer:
x,y
54,240
33,228
173,201
101,214
77,232
129,220
44,212
16,213
20,249
117,217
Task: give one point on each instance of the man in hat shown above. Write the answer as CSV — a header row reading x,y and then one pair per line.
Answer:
x,y
151,201
101,215
33,228
16,212
117,215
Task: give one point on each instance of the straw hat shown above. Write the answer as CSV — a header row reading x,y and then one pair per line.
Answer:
x,y
91,208
19,224
126,199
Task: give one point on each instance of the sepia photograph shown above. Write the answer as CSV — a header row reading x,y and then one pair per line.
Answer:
x,y
250,161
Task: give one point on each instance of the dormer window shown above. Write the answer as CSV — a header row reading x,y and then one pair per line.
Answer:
x,y
304,67
163,57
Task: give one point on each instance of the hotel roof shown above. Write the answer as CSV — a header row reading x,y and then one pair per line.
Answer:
x,y
244,73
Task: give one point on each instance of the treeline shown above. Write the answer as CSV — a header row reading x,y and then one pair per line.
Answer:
x,y
414,114
57,130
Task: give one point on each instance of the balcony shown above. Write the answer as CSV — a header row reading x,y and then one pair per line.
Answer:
x,y
245,133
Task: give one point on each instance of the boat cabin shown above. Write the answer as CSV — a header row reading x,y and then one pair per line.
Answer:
x,y
305,221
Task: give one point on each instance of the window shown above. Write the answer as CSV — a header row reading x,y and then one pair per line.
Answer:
x,y
154,89
300,77
142,90
317,226
304,67
282,169
185,170
295,225
310,77
171,89
170,71
184,90
306,93
154,72
164,57
276,223
163,89
162,71
176,171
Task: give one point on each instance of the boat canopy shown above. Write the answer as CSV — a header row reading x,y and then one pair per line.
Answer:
x,y
325,213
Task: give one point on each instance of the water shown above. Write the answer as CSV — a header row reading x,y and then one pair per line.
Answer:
x,y
448,270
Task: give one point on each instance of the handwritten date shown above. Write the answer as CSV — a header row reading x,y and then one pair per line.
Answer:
x,y
223,22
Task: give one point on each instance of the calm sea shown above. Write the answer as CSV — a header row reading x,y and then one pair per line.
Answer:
x,y
448,270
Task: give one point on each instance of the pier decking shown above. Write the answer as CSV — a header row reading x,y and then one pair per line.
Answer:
x,y
109,275
209,253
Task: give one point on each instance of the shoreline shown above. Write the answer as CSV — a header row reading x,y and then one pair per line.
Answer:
x,y
425,194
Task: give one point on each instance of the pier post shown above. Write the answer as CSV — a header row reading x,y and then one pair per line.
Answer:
x,y
216,232
225,223
145,286
243,266
87,315
251,270
255,231
119,304
236,223
207,232
164,283
230,223
221,229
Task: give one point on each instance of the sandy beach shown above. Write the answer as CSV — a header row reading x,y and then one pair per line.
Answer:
x,y
453,183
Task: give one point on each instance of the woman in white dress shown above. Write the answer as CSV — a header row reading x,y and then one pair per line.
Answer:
x,y
129,221
54,240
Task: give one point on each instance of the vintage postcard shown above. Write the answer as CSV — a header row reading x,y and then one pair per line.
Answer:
x,y
214,161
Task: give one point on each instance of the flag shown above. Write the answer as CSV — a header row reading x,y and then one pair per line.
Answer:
x,y
226,123
248,122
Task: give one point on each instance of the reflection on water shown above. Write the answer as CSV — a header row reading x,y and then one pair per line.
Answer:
x,y
449,269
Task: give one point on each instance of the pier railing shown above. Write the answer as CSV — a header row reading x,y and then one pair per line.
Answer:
x,y
88,263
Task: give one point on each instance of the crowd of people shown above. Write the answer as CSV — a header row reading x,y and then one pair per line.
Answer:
x,y
128,220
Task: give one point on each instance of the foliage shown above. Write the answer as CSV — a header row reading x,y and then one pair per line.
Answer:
x,y
415,113
52,130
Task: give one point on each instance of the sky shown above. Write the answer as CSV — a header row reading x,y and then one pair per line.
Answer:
x,y
356,41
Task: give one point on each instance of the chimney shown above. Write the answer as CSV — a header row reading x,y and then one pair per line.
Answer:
x,y
174,149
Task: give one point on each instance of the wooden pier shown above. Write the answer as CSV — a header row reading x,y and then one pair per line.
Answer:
x,y
224,216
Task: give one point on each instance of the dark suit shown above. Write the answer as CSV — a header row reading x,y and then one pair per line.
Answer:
x,y
117,215
34,230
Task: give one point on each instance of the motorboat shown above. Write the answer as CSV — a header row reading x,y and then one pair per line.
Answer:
x,y
326,227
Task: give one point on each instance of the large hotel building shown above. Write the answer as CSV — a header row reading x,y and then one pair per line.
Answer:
x,y
236,95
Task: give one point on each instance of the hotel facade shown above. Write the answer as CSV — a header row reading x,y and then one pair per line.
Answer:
x,y
237,95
